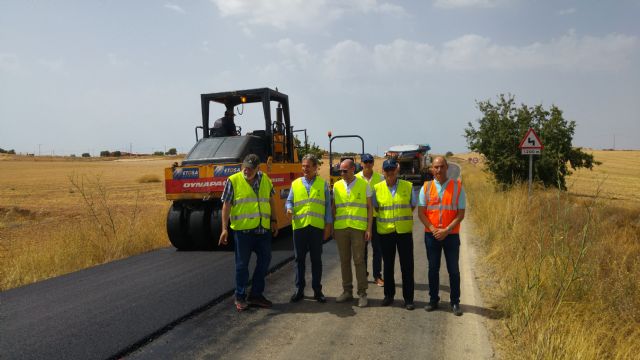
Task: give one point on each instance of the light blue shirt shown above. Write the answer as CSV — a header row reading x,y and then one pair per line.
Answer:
x,y
462,200
393,194
328,219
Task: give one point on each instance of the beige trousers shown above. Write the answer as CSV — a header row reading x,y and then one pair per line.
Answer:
x,y
351,245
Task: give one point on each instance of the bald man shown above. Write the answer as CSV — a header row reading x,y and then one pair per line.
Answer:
x,y
353,218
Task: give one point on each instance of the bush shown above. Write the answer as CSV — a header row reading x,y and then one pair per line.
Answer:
x,y
86,155
116,153
448,154
105,153
158,153
149,178
172,151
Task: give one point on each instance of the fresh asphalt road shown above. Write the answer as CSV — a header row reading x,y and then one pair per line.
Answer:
x,y
99,312
311,330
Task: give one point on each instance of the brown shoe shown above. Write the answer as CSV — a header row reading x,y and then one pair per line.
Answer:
x,y
241,304
259,301
379,282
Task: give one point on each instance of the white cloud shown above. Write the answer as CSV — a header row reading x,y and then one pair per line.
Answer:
x,y
566,11
303,13
350,59
174,7
9,62
452,4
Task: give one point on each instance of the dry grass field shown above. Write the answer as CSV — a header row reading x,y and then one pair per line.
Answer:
x,y
563,269
49,226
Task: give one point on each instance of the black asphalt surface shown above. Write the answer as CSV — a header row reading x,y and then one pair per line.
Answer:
x,y
99,312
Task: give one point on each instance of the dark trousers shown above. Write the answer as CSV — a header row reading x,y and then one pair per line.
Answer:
x,y
308,239
451,247
404,244
377,253
245,243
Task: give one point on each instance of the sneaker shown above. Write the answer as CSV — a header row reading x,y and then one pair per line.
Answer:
x,y
409,306
379,282
344,297
387,301
362,301
259,301
241,304
456,309
431,306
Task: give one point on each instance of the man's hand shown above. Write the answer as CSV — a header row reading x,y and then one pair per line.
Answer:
x,y
440,234
224,235
274,228
328,231
289,213
367,235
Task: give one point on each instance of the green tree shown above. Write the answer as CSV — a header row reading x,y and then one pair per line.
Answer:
x,y
86,155
172,151
105,153
504,124
312,148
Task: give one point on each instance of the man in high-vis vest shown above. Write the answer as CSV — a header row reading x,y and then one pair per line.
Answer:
x,y
247,199
353,215
309,207
441,207
395,200
372,178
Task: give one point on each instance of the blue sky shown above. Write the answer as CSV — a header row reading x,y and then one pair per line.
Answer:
x,y
78,76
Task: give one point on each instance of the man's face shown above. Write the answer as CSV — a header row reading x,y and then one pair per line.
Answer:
x,y
249,172
346,170
308,169
367,165
391,174
439,169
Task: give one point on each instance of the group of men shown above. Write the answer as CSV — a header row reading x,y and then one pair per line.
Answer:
x,y
365,207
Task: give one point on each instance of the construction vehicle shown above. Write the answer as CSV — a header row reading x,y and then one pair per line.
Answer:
x,y
196,184
334,169
414,161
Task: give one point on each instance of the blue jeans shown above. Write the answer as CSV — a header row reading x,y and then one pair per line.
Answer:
x,y
451,247
376,262
245,243
308,239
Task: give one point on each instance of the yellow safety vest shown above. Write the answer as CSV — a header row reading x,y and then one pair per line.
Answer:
x,y
248,211
308,208
351,210
373,181
394,211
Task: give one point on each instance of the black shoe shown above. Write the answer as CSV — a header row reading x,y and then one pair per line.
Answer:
x,y
297,296
456,309
387,301
431,306
319,297
259,301
409,306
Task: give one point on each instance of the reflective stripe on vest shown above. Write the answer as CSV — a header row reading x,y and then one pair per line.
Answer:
x,y
373,181
248,211
394,211
441,212
351,210
308,208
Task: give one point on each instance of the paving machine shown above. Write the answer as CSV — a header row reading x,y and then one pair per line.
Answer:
x,y
415,162
195,185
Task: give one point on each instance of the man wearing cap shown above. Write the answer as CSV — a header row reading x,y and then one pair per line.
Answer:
x,y
441,207
353,217
395,201
309,207
247,200
225,125
372,178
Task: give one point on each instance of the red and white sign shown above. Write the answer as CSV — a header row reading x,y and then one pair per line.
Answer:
x,y
531,144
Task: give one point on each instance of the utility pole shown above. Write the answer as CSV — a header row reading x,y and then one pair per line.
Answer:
x,y
39,150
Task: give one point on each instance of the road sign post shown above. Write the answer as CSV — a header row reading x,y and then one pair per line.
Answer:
x,y
531,145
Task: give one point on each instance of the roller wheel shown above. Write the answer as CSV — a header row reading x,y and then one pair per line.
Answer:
x,y
200,229
177,219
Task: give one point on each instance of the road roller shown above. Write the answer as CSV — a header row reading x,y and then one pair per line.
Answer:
x,y
195,185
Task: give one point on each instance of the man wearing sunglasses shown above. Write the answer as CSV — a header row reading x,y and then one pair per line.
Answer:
x,y
395,200
353,216
372,178
247,199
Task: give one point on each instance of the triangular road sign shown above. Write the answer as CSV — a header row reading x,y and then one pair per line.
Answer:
x,y
531,141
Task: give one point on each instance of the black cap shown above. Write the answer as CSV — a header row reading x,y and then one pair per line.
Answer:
x,y
389,164
366,157
251,161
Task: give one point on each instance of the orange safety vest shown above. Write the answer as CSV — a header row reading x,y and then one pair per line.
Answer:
x,y
441,212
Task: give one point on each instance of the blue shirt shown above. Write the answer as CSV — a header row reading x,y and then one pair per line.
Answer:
x,y
462,200
328,219
393,194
